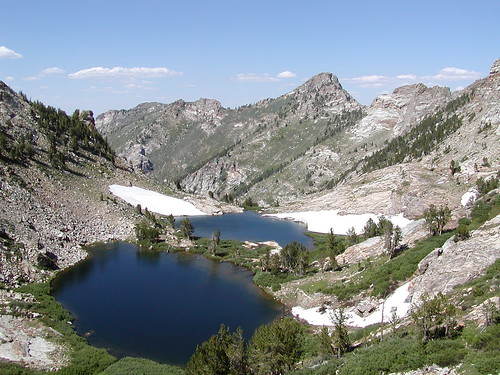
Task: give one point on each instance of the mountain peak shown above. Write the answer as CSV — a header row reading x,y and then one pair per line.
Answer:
x,y
495,68
320,80
324,92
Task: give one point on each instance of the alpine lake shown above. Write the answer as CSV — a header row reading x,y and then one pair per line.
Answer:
x,y
160,305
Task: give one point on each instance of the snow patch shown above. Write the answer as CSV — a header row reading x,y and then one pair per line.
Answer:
x,y
397,302
322,221
467,197
155,202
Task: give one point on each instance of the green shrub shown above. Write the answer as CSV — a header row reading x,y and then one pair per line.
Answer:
x,y
140,366
391,355
445,353
268,280
385,275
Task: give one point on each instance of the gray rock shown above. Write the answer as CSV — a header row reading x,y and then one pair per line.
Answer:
x,y
458,262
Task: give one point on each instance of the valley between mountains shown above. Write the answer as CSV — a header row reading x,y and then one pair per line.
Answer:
x,y
314,150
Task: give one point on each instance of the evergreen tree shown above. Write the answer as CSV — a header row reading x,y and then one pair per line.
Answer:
x,y
352,236
186,228
436,317
215,242
340,336
222,354
370,229
294,258
275,349
437,218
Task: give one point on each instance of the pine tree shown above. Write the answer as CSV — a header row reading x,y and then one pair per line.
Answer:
x,y
275,349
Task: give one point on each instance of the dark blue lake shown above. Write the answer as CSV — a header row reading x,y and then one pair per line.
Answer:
x,y
250,226
159,305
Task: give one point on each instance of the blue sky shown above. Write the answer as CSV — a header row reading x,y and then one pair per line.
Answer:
x,y
105,54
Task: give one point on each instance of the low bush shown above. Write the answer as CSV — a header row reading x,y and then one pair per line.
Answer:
x,y
140,366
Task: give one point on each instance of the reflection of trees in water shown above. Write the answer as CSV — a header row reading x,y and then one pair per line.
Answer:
x,y
147,256
249,226
122,285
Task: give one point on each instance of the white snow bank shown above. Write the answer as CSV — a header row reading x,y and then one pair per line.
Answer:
x,y
154,202
471,194
322,221
395,302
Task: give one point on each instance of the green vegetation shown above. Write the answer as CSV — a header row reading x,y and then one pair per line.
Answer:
x,y
140,366
66,133
223,353
435,318
420,140
273,349
436,218
338,341
383,276
485,186
145,232
85,359
186,228
250,205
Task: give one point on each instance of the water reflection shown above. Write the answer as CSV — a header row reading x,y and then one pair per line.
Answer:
x,y
250,226
159,305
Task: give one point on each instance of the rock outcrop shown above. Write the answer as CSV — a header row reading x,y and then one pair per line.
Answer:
x,y
24,341
398,112
458,262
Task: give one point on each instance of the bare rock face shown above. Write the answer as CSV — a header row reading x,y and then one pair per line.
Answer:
x,y
404,107
109,121
323,92
372,247
29,343
458,262
495,68
136,156
207,179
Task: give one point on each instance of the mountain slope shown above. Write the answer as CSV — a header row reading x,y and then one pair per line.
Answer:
x,y
54,177
414,170
282,150
237,145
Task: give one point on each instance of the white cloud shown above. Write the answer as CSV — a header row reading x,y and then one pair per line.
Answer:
x,y
410,77
454,74
9,78
53,70
446,75
138,85
254,77
286,74
7,53
120,72
264,77
367,79
44,73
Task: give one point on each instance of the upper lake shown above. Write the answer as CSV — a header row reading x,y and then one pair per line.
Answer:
x,y
250,226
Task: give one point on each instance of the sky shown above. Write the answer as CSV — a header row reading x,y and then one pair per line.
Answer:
x,y
111,54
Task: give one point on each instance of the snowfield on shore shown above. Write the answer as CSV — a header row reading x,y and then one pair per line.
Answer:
x,y
396,302
322,221
155,202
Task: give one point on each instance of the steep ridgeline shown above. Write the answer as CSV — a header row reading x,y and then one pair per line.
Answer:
x,y
54,175
280,150
209,149
435,161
